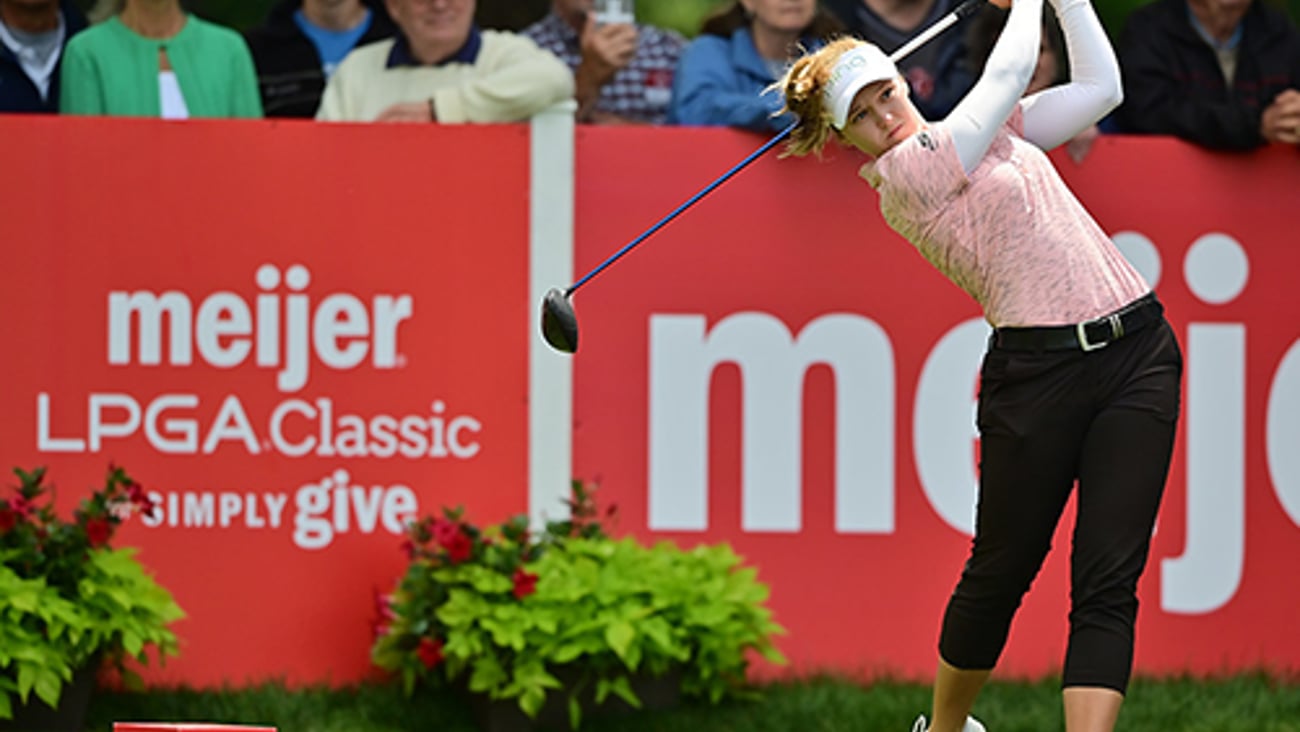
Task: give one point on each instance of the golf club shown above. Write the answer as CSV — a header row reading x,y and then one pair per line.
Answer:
x,y
560,323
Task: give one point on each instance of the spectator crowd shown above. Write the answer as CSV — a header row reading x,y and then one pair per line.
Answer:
x,y
1223,74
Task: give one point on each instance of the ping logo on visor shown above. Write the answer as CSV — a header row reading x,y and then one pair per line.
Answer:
x,y
855,69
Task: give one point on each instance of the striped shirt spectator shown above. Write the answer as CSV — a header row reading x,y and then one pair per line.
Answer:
x,y
623,73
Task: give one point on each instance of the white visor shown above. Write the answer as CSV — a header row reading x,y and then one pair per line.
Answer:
x,y
857,68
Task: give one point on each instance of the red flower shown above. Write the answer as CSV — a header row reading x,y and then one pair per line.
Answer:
x,y
384,606
430,652
98,531
22,506
459,549
525,583
8,519
137,495
451,537
408,547
444,531
384,615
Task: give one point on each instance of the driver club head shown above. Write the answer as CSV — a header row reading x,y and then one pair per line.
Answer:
x,y
559,324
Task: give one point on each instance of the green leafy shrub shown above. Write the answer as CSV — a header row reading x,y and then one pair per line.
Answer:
x,y
505,612
67,599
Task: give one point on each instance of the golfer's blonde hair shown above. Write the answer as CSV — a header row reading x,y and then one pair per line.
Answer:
x,y
803,87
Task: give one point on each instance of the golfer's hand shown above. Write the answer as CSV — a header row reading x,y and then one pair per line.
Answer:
x,y
1281,120
606,49
407,112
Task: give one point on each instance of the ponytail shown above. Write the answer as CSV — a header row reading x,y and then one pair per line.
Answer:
x,y
803,87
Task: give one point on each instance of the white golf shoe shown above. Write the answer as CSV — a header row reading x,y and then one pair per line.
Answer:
x,y
972,725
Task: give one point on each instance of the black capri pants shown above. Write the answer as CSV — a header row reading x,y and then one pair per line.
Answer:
x,y
1047,418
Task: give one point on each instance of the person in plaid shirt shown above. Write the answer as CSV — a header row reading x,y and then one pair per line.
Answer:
x,y
623,72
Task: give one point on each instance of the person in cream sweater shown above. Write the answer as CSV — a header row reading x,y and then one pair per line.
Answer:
x,y
442,68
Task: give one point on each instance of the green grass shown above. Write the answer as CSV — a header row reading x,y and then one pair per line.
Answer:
x,y
1247,703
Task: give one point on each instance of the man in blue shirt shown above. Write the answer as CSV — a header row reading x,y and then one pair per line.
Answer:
x,y
301,43
33,34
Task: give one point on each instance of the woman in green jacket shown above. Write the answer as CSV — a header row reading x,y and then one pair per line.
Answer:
x,y
150,58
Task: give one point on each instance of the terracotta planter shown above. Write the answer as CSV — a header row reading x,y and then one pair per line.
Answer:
x,y
68,716
504,715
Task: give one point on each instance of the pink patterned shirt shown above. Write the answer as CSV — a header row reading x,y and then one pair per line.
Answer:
x,y
1011,234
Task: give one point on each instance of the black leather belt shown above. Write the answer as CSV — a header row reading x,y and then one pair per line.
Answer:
x,y
1087,336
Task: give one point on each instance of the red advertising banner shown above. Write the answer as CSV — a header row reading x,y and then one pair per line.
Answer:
x,y
295,335
299,335
780,371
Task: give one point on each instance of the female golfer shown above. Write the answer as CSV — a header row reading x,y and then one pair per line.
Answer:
x,y
1081,378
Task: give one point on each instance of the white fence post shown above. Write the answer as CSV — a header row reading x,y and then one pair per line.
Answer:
x,y
550,381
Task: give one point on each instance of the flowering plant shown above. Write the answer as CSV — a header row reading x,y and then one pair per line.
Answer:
x,y
67,599
509,613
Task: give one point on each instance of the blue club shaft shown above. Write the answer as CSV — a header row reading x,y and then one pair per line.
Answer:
x,y
967,8
677,211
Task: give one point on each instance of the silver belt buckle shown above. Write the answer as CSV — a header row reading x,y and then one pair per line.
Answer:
x,y
1116,331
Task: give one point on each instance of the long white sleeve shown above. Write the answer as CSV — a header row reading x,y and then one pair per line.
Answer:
x,y
1057,114
978,116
